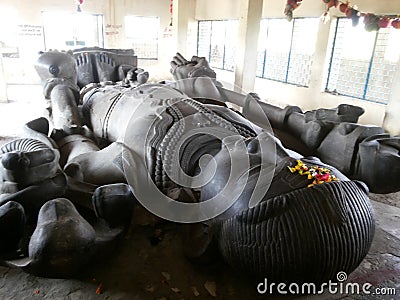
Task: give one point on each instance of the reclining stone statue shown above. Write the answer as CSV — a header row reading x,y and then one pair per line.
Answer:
x,y
177,149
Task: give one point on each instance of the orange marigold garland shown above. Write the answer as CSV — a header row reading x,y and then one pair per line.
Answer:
x,y
290,6
372,22
319,175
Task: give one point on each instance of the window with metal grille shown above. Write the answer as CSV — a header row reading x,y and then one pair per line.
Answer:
x,y
217,43
362,64
286,49
142,35
64,30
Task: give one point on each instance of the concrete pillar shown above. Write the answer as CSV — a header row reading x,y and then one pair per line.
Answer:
x,y
391,121
246,51
3,84
111,19
183,24
319,67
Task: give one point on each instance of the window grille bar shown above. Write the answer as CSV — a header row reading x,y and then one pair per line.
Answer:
x,y
198,37
332,54
371,61
265,59
368,76
218,34
210,50
290,52
223,53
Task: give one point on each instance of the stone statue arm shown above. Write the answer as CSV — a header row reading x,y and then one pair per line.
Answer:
x,y
322,132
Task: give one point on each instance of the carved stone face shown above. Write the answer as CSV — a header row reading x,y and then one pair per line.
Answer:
x,y
56,64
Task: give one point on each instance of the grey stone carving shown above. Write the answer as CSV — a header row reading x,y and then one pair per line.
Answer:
x,y
285,215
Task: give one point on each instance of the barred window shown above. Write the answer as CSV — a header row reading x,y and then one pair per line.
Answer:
x,y
142,35
64,30
286,49
362,64
217,43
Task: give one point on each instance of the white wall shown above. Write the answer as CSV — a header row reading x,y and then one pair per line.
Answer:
x,y
217,10
28,13
229,9
160,8
282,94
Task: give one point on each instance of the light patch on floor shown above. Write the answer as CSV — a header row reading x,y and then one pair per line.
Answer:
x,y
26,102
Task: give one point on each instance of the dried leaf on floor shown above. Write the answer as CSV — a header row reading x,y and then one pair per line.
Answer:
x,y
157,232
195,291
166,275
176,290
211,288
231,291
150,288
99,289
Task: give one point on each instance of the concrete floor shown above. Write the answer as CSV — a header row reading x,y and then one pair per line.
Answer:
x,y
141,269
26,103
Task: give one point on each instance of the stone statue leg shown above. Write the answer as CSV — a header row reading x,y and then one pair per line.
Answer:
x,y
98,167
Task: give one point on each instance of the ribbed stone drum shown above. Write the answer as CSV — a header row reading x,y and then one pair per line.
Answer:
x,y
307,235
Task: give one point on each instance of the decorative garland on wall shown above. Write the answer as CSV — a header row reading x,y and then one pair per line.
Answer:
x,y
79,3
372,22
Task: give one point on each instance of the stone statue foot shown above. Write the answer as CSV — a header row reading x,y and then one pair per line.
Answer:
x,y
12,223
105,67
85,69
380,153
63,242
142,76
114,203
58,221
123,71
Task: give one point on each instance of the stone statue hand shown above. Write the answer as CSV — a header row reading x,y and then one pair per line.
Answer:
x,y
181,68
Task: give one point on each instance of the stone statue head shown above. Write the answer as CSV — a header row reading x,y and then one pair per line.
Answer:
x,y
55,64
